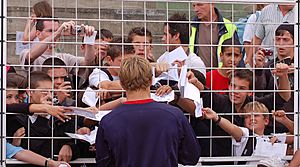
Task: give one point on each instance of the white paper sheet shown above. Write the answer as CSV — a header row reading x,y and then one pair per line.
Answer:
x,y
90,40
96,116
166,98
91,138
90,97
266,149
177,54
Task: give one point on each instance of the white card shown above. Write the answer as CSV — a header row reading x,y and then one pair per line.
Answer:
x,y
96,116
91,138
90,40
90,97
265,148
177,54
166,98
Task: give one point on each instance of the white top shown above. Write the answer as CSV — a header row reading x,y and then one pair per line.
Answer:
x,y
70,60
239,147
98,76
250,27
192,61
271,17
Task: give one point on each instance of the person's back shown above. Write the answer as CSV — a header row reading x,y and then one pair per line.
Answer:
x,y
142,132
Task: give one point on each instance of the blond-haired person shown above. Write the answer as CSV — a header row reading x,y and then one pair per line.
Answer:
x,y
255,120
142,132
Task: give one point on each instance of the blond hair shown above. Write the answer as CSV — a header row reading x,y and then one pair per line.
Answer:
x,y
135,74
256,107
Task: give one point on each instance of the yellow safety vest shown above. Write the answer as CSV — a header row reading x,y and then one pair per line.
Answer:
x,y
231,28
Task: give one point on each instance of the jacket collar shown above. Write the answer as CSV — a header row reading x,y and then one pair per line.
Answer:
x,y
221,25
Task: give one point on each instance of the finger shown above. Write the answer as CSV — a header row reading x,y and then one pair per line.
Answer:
x,y
64,117
60,157
58,117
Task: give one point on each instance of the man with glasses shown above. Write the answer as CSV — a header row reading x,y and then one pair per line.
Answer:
x,y
49,31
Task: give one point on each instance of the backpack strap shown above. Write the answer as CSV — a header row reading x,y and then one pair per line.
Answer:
x,y
249,148
108,74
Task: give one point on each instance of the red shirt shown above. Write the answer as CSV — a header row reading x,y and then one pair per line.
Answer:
x,y
215,81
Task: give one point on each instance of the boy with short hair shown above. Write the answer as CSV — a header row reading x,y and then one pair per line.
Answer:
x,y
230,56
254,125
141,40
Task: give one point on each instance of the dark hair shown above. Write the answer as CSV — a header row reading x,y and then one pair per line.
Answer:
x,y
15,80
231,42
53,61
181,28
104,33
285,28
244,74
139,31
36,77
42,9
115,50
40,23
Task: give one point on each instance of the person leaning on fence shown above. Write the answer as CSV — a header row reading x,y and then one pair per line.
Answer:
x,y
142,132
211,28
254,125
231,54
44,126
176,34
264,79
240,87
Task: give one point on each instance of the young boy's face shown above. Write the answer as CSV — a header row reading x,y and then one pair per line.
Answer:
x,y
58,75
141,46
284,44
39,96
231,57
12,96
256,122
116,63
240,88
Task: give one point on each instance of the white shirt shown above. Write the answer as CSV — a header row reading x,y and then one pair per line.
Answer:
x,y
192,61
250,27
70,60
98,76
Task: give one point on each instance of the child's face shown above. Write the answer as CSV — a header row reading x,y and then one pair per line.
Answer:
x,y
256,122
12,96
231,57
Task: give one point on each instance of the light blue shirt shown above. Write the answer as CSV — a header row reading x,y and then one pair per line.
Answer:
x,y
12,150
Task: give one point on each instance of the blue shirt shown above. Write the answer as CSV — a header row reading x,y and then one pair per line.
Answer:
x,y
12,150
146,133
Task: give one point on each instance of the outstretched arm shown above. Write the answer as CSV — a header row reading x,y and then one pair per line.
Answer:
x,y
226,125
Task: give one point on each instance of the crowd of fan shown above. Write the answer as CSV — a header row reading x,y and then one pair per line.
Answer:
x,y
219,67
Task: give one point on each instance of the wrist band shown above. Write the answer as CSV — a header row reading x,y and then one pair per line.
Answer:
x,y
47,162
219,120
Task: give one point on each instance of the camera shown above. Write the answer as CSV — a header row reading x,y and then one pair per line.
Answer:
x,y
267,51
77,30
67,79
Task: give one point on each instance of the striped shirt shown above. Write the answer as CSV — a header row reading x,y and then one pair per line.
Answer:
x,y
271,17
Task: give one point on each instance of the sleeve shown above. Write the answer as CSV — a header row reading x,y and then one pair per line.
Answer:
x,y
189,148
249,28
72,60
259,27
272,100
12,150
196,61
97,76
23,60
103,157
240,146
18,108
